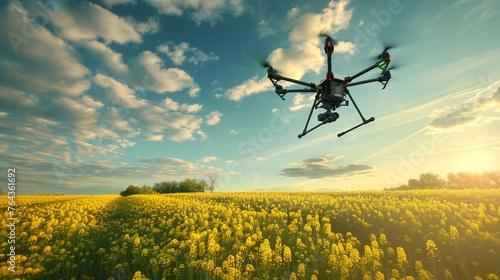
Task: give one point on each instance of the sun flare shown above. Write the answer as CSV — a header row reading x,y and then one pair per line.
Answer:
x,y
475,162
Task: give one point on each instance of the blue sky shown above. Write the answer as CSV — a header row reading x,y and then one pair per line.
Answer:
x,y
95,96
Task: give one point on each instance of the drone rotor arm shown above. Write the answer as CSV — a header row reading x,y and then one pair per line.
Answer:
x,y
275,78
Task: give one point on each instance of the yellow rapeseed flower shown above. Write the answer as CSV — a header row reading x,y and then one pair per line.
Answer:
x,y
301,270
287,254
47,249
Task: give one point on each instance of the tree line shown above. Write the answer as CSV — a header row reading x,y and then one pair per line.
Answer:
x,y
185,186
460,180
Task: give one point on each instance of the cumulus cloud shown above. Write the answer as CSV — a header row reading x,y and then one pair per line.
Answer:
x,y
151,26
87,21
324,167
305,53
208,159
64,75
155,137
149,73
175,121
213,118
200,10
249,87
118,93
184,52
191,108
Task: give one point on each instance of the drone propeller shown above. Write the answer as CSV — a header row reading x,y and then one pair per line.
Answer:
x,y
258,57
265,64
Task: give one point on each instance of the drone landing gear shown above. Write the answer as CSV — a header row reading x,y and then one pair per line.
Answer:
x,y
365,121
324,118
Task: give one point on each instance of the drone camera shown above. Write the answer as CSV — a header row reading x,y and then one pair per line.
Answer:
x,y
328,117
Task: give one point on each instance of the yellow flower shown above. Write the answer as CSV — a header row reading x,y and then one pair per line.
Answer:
x,y
266,254
301,271
137,242
287,254
47,249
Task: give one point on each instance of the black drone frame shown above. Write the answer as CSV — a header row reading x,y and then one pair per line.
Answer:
x,y
331,93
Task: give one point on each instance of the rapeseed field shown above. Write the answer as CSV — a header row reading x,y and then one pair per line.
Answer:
x,y
427,234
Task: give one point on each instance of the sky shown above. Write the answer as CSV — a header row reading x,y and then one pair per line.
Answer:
x,y
96,96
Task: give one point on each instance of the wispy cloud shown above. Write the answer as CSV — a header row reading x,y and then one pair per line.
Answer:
x,y
469,113
323,167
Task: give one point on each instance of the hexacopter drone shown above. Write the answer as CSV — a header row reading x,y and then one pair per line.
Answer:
x,y
331,93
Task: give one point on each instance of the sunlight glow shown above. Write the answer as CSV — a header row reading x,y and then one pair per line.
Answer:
x,y
475,162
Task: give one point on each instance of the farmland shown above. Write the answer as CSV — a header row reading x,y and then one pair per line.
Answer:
x,y
425,234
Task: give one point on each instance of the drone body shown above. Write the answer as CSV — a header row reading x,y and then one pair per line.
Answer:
x,y
332,92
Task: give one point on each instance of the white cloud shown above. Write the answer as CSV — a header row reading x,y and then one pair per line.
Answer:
x,y
155,137
167,119
112,59
28,62
88,21
293,12
200,10
149,73
191,108
301,101
171,104
151,26
118,93
183,51
208,159
248,88
213,118
334,18
306,51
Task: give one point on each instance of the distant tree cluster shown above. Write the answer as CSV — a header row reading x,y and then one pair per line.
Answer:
x,y
460,180
188,185
133,189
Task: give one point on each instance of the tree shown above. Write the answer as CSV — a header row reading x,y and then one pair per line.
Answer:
x,y
464,180
188,185
427,180
147,190
131,190
166,187
193,185
213,181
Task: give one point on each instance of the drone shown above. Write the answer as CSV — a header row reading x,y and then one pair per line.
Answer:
x,y
332,92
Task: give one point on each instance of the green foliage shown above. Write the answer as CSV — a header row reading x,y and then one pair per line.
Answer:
x,y
188,185
131,190
460,180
